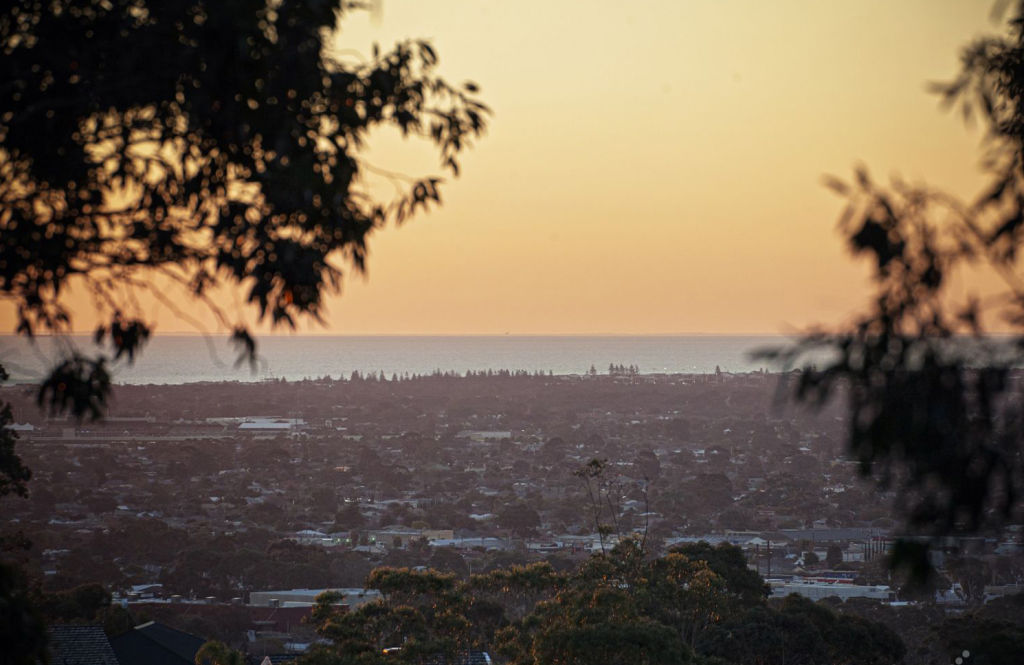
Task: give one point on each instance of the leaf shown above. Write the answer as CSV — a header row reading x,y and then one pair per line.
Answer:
x,y
863,179
78,386
246,345
1008,227
873,236
836,185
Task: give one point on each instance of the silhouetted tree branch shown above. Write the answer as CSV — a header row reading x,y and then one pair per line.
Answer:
x,y
215,142
933,400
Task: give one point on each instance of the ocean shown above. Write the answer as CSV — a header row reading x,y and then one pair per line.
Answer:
x,y
171,359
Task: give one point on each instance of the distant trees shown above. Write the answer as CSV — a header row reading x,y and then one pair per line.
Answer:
x,y
223,566
519,517
448,560
554,450
801,631
740,584
834,556
323,500
707,493
970,576
349,517
599,625
619,607
421,616
648,464
988,642
693,605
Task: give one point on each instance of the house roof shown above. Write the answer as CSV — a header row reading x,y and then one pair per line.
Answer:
x,y
156,644
80,645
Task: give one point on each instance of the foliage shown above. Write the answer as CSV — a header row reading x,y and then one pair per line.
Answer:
x,y
684,594
599,625
742,584
833,556
223,566
700,604
218,653
801,632
763,636
988,642
86,603
596,616
22,630
211,144
517,588
971,575
349,517
422,614
82,603
621,607
13,474
519,517
934,406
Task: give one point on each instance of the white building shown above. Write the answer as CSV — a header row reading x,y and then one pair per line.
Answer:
x,y
820,590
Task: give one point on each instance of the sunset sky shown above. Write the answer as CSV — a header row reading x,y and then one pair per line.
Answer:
x,y
654,167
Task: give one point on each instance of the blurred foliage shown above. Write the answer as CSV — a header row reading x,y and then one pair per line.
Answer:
x,y
22,628
934,402
207,144
13,474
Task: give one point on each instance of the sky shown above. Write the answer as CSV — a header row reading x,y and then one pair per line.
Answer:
x,y
654,167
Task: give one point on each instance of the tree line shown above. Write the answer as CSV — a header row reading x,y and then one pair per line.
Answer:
x,y
696,604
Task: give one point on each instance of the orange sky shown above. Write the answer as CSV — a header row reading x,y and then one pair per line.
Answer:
x,y
654,166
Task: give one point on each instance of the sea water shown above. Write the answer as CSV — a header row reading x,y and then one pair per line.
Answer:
x,y
192,358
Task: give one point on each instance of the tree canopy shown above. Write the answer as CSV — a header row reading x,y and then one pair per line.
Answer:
x,y
622,606
207,143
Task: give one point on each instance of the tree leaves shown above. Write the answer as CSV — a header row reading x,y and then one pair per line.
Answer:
x,y
79,386
215,144
933,403
873,236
